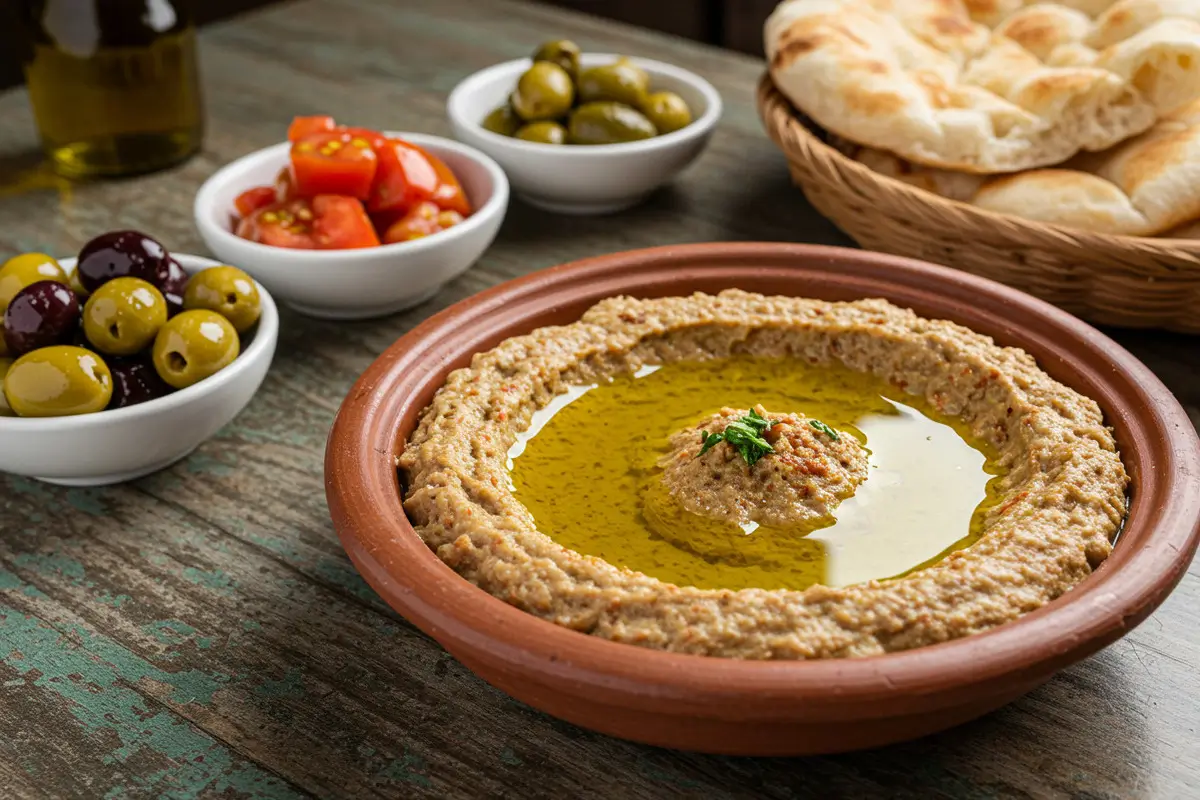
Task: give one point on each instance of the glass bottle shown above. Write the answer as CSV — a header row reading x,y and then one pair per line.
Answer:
x,y
114,84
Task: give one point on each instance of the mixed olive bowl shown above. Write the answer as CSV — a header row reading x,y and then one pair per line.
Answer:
x,y
121,444
585,179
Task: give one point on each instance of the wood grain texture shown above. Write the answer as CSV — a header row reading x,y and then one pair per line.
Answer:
x,y
200,633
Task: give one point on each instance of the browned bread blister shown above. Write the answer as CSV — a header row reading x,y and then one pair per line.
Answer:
x,y
986,86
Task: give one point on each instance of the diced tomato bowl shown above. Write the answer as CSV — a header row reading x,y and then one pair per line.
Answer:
x,y
348,187
335,238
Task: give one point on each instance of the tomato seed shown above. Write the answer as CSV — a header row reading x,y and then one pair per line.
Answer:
x,y
270,216
304,214
359,143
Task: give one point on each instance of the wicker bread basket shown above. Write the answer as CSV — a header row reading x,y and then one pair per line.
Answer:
x,y
1112,280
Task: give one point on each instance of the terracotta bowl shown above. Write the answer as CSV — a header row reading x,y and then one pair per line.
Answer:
x,y
763,707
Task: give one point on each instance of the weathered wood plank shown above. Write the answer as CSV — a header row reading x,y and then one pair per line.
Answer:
x,y
209,612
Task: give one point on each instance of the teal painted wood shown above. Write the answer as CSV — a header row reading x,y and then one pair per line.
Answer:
x,y
199,633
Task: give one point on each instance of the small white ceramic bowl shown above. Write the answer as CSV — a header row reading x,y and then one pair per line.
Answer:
x,y
127,443
593,179
362,283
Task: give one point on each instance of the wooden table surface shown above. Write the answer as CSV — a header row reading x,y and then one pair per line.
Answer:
x,y
200,633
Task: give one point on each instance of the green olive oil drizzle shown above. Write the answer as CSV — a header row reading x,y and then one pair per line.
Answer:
x,y
586,470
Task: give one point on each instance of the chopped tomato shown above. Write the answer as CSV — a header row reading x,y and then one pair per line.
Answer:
x,y
449,194
341,223
426,218
306,126
287,224
382,220
374,138
348,187
327,222
285,185
405,177
252,200
333,163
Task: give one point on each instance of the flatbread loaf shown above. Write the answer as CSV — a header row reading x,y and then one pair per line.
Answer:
x,y
986,86
1143,187
1190,230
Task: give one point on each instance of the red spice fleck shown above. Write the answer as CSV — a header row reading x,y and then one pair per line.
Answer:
x,y
1004,509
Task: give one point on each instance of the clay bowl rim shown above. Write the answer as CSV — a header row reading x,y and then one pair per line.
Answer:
x,y
1158,442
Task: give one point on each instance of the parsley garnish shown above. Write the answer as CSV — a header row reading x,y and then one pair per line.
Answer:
x,y
744,435
710,439
823,428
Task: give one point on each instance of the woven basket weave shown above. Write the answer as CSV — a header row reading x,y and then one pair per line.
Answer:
x,y
1127,281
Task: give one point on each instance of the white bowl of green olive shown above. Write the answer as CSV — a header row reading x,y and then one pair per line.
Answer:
x,y
586,133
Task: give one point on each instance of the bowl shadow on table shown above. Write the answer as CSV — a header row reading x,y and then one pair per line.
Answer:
x,y
1081,732
765,207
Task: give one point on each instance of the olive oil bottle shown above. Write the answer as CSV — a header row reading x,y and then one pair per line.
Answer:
x,y
114,84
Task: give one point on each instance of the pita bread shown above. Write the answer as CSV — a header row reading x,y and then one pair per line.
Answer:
x,y
1144,187
1190,230
986,86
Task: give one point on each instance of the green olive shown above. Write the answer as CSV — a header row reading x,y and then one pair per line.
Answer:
x,y
20,271
629,62
5,408
58,381
502,120
194,345
228,291
563,52
545,91
123,316
619,82
544,132
608,123
667,111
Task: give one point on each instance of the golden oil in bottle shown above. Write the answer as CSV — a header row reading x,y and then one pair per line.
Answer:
x,y
114,84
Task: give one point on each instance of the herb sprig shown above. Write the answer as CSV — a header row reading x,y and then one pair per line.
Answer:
x,y
823,428
744,435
